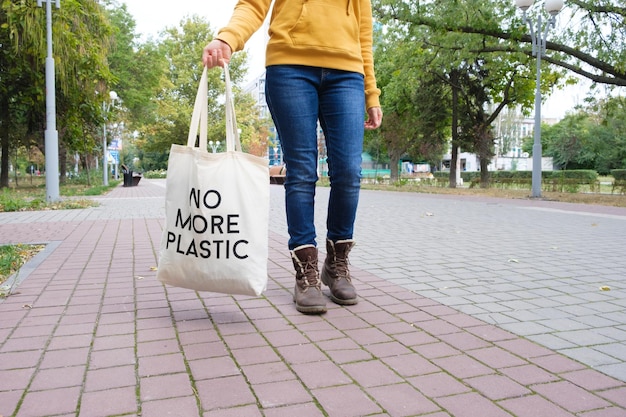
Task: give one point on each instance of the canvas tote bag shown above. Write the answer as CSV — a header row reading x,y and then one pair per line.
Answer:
x,y
217,206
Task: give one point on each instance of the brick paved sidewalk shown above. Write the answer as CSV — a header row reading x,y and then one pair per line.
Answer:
x,y
90,332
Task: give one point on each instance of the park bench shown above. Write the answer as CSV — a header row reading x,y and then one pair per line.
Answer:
x,y
277,174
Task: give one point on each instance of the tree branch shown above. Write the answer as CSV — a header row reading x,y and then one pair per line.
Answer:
x,y
594,8
609,73
601,79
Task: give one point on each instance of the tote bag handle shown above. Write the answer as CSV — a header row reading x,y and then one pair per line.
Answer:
x,y
200,115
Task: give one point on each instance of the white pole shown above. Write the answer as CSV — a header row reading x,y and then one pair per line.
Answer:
x,y
536,177
105,165
51,136
539,38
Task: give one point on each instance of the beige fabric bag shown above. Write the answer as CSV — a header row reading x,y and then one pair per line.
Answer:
x,y
215,236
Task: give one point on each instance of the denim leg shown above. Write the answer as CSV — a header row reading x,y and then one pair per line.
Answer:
x,y
342,106
292,97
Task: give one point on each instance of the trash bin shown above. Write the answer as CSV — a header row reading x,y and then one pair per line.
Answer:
x,y
128,176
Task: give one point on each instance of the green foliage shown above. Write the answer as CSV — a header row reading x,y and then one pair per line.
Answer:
x,y
83,178
161,173
137,67
582,174
594,47
11,202
619,174
98,190
12,258
591,138
81,41
439,84
557,181
180,49
415,103
9,259
578,174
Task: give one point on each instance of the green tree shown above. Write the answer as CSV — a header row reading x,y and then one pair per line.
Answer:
x,y
81,34
591,42
591,138
472,81
182,49
137,68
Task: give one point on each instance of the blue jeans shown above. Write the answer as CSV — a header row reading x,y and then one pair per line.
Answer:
x,y
297,97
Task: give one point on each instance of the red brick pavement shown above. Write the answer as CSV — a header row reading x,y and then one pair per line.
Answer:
x,y
90,332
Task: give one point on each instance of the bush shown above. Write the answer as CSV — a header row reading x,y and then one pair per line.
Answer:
x,y
619,174
160,173
11,202
584,175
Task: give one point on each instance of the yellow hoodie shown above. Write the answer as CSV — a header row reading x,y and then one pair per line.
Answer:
x,y
333,34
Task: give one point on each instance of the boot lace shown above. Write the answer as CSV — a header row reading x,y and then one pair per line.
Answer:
x,y
309,273
341,268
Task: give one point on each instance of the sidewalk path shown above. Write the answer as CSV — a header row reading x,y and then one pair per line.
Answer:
x,y
469,308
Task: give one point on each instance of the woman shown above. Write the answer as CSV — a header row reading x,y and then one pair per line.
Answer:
x,y
319,66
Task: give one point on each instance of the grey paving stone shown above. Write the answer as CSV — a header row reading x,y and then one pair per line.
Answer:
x,y
616,350
563,324
587,337
590,356
613,333
526,328
552,341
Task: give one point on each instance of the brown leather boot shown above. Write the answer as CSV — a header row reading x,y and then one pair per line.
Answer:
x,y
336,274
308,292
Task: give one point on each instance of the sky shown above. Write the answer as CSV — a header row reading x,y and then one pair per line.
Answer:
x,y
152,16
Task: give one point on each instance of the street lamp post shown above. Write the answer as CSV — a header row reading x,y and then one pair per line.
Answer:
x,y
51,135
214,145
106,106
539,37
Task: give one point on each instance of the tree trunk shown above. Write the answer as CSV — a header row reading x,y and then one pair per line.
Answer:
x,y
394,162
453,165
62,163
15,171
484,173
4,140
454,82
85,163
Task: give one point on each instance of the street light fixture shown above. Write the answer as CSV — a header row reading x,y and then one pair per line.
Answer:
x,y
51,135
214,145
106,106
539,37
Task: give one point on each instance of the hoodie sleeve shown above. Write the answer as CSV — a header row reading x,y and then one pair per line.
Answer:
x,y
247,18
372,93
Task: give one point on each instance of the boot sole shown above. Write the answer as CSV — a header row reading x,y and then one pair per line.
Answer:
x,y
348,302
311,309
318,309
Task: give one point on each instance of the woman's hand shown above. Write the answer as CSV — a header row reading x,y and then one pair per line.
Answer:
x,y
216,53
374,118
